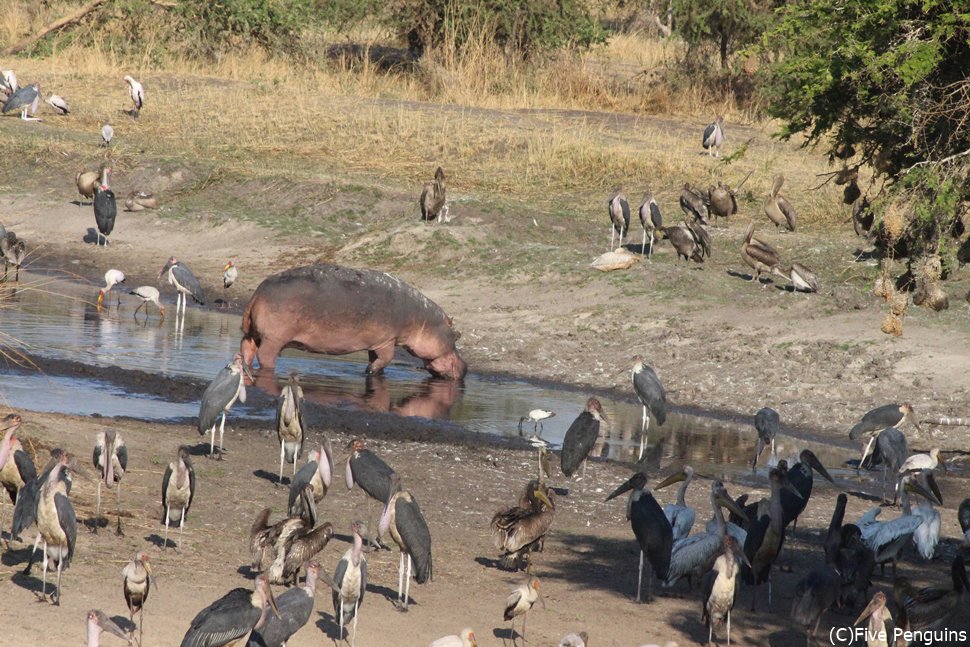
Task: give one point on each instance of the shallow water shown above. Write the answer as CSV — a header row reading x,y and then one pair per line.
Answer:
x,y
58,319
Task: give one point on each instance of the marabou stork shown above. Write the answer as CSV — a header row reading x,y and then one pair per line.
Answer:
x,y
141,200
686,242
520,602
963,516
147,294
137,585
618,209
693,205
802,278
536,416
695,555
369,471
223,391
229,276
105,206
652,396
315,475
350,582
98,623
856,563
137,94
59,104
177,492
714,137
800,476
408,528
891,450
57,524
766,535
815,595
650,220
680,516
107,134
887,539
14,250
16,468
723,203
289,423
767,423
25,99
519,530
833,537
777,208
184,282
888,415
581,437
880,626
110,458
8,83
465,639
432,199
232,616
933,608
28,501
651,528
111,279
295,606
760,256
720,588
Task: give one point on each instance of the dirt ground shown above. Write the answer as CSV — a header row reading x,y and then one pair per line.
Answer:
x,y
532,309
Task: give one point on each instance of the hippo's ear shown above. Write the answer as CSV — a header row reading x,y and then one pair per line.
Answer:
x,y
457,335
451,322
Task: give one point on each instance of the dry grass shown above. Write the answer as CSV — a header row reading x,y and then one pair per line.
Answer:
x,y
501,128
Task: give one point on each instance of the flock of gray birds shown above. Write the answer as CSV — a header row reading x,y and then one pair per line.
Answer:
x,y
743,547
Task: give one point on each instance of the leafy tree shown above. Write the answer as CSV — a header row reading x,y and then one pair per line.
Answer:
x,y
730,25
883,82
221,24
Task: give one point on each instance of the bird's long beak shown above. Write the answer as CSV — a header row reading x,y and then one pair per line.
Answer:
x,y
760,447
739,553
17,422
626,487
916,488
727,502
868,611
791,488
677,477
816,465
272,601
931,481
100,298
542,497
109,625
226,266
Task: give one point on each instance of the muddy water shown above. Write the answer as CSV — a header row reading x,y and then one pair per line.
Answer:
x,y
59,320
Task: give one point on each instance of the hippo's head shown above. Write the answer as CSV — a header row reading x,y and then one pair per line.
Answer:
x,y
449,366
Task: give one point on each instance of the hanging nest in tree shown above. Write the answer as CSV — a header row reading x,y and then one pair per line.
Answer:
x,y
883,288
928,293
894,222
898,304
892,325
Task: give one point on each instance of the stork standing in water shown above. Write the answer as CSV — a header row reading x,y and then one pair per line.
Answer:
x,y
232,616
651,528
147,294
223,391
316,474
618,209
137,585
57,524
178,488
110,458
289,423
111,279
137,94
98,623
520,602
296,607
350,582
25,100
16,468
650,220
652,396
714,138
409,530
185,283
767,423
581,437
536,416
880,418
105,206
229,276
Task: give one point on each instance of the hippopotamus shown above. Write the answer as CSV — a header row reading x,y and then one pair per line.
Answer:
x,y
337,310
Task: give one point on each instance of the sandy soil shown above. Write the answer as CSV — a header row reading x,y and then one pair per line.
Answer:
x,y
718,342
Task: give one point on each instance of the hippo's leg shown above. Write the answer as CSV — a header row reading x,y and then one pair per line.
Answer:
x,y
269,349
379,358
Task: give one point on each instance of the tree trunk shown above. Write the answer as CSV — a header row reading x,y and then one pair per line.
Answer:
x,y
54,26
724,49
